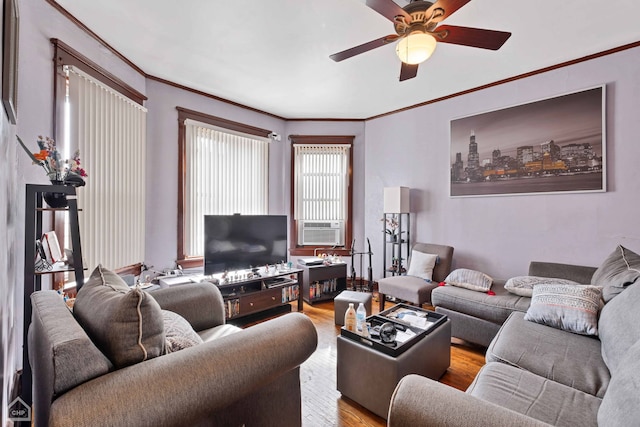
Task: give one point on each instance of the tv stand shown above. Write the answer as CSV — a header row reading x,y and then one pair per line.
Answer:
x,y
265,291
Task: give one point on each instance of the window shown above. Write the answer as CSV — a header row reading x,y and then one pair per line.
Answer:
x,y
104,119
321,192
224,169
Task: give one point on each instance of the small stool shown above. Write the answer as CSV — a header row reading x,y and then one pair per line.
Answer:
x,y
341,303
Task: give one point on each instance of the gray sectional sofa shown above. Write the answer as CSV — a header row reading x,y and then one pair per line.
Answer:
x,y
235,377
476,317
538,375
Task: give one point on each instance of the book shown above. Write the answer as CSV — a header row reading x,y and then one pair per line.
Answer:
x,y
52,247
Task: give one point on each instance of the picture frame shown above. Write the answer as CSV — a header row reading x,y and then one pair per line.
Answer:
x,y
552,145
11,21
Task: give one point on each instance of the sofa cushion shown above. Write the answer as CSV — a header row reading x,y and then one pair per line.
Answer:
x,y
535,396
523,285
178,332
619,326
59,349
621,405
573,308
578,273
570,359
125,324
421,264
469,279
494,308
619,270
445,258
408,288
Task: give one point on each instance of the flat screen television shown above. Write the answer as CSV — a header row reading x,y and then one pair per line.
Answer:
x,y
239,242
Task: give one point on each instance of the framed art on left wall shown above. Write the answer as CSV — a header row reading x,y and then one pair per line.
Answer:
x,y
10,59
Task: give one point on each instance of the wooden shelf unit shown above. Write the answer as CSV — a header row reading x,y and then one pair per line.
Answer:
x,y
323,282
399,248
33,230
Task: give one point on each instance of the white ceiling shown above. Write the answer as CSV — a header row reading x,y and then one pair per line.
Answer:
x,y
273,55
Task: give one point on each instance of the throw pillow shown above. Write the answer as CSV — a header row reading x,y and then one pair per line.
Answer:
x,y
422,264
125,324
178,332
469,279
573,308
618,271
523,285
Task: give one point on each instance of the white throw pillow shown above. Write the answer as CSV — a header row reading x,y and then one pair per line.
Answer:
x,y
469,279
422,264
523,285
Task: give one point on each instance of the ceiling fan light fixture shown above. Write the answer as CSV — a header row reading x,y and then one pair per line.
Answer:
x,y
416,47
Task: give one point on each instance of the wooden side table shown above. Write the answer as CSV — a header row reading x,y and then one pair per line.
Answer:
x,y
322,282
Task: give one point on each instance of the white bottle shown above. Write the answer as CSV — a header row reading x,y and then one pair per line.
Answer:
x,y
361,318
350,318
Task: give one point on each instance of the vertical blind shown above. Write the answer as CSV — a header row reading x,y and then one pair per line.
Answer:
x,y
110,132
321,182
226,173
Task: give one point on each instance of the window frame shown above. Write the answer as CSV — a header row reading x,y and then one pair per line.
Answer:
x,y
310,250
66,55
183,259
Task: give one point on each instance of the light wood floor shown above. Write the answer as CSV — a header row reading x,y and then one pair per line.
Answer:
x,y
323,405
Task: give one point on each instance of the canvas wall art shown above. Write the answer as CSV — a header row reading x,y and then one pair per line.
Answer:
x,y
552,145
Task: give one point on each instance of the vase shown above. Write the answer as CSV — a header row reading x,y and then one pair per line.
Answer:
x,y
56,200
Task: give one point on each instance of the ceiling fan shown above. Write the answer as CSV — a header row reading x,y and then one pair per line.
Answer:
x,y
417,31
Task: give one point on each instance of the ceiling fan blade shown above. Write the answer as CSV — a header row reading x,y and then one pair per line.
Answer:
x,y
474,37
345,54
408,71
388,9
449,7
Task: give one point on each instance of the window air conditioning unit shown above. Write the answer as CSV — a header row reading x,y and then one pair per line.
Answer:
x,y
322,233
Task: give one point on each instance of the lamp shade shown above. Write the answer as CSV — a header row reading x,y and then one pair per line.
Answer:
x,y
396,200
415,48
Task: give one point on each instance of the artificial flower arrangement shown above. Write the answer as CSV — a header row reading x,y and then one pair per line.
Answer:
x,y
68,171
392,224
391,229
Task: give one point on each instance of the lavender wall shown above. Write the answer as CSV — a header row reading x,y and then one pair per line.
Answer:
x,y
162,163
500,235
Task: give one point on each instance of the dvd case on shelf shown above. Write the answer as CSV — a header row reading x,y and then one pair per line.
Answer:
x,y
317,289
232,308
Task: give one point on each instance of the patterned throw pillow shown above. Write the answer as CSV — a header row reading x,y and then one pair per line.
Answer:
x,y
422,264
178,332
523,285
573,308
469,279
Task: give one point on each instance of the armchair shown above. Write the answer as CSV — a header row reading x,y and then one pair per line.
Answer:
x,y
415,289
235,377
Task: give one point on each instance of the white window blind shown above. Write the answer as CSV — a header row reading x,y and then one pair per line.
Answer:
x,y
321,182
226,173
110,131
